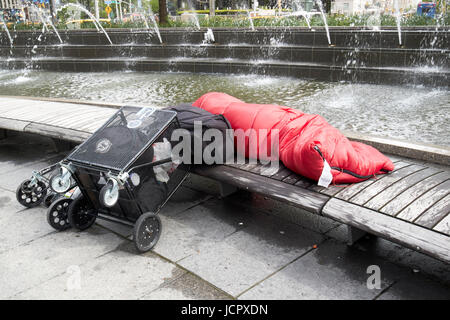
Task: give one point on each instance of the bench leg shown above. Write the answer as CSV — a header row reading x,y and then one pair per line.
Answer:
x,y
226,189
354,234
62,145
3,134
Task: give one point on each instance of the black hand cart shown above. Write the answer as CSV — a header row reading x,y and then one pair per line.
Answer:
x,y
123,173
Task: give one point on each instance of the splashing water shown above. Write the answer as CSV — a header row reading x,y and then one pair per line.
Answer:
x,y
7,31
252,26
299,11
96,22
49,21
324,18
155,25
398,19
194,15
209,37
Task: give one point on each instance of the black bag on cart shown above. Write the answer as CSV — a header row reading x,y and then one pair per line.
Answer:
x,y
188,114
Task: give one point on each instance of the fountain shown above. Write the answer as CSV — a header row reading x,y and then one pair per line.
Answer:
x,y
194,15
252,26
398,20
324,18
209,37
7,31
299,11
45,21
155,24
94,19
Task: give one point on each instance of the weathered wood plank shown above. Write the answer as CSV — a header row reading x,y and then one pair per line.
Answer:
x,y
305,199
354,189
407,234
58,133
444,226
292,178
425,201
268,170
281,174
332,190
435,214
410,194
380,185
15,125
248,166
398,187
304,183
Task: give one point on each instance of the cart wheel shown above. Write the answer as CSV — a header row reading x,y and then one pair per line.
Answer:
x,y
81,214
31,196
57,214
108,196
147,230
49,198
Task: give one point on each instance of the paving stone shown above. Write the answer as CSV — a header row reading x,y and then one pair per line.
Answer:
x,y
332,271
19,224
182,200
405,257
23,149
284,211
416,287
209,222
37,261
12,179
250,255
186,287
121,274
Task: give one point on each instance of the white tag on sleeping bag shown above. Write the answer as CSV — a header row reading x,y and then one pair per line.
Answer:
x,y
326,177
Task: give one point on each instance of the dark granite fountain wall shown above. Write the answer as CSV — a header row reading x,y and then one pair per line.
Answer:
x,y
355,55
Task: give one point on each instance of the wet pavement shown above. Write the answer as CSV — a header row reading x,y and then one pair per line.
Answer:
x,y
244,246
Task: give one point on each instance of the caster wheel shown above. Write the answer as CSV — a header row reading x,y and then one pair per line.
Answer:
x,y
81,215
31,196
147,231
109,195
57,216
49,198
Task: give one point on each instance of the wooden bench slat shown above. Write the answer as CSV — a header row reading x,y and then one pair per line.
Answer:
x,y
380,185
355,188
405,233
304,183
398,187
425,201
435,214
281,174
330,191
444,226
292,178
305,199
410,194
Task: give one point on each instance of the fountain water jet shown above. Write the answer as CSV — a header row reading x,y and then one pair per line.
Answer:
x,y
96,22
324,18
299,11
155,25
7,31
398,20
252,26
194,15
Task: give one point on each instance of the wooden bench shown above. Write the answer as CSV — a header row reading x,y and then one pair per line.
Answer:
x,y
409,206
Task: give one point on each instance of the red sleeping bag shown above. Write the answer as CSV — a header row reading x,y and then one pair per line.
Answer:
x,y
308,144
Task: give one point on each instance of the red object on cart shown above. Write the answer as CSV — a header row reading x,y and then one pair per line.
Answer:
x,y
308,144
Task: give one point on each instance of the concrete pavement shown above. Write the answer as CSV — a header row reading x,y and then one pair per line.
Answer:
x,y
244,247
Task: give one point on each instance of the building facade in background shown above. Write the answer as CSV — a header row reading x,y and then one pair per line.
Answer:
x,y
372,6
10,4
